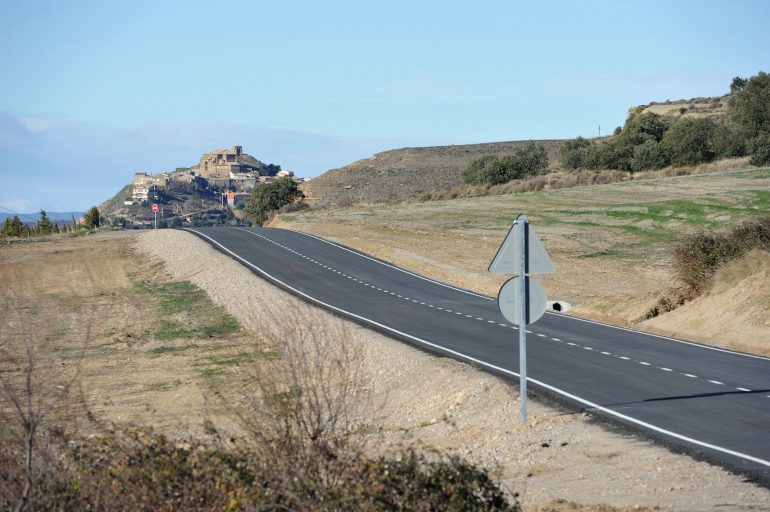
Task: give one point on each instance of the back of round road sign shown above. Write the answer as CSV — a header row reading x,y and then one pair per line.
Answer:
x,y
508,300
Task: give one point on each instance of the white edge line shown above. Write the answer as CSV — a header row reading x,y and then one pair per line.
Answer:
x,y
494,367
699,345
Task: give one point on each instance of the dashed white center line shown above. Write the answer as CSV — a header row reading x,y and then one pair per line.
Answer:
x,y
643,363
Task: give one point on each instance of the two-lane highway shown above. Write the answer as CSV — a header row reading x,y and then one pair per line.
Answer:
x,y
709,402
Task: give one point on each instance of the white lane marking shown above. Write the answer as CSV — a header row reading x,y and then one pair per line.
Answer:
x,y
624,358
380,262
665,369
743,389
606,353
491,321
690,375
495,367
698,345
479,318
717,382
469,316
571,344
502,325
555,339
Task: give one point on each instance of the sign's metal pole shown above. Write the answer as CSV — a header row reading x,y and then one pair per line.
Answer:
x,y
523,303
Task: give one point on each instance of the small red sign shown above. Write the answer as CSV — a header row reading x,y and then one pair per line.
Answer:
x,y
154,208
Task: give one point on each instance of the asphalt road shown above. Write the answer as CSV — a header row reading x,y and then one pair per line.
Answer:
x,y
711,403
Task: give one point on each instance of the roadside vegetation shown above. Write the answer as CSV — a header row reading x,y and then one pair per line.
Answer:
x,y
698,256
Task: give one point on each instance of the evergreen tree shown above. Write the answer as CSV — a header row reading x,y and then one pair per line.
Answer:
x,y
91,219
270,197
44,226
13,227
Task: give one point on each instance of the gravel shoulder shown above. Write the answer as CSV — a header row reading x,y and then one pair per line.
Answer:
x,y
416,399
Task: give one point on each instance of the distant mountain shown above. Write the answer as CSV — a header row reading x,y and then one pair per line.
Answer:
x,y
54,216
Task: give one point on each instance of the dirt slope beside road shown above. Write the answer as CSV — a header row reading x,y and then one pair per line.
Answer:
x,y
436,402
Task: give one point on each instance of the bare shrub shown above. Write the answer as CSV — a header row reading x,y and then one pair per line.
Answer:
x,y
307,405
698,256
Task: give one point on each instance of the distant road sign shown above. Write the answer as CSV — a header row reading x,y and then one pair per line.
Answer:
x,y
506,261
508,300
154,208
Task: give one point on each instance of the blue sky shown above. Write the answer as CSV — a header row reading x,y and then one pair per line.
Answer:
x,y
93,91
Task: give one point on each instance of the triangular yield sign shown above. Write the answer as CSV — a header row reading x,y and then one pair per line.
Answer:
x,y
506,261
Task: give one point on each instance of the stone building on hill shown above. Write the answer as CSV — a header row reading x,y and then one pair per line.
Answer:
x,y
220,165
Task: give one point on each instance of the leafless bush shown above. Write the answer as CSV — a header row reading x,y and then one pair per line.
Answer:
x,y
308,401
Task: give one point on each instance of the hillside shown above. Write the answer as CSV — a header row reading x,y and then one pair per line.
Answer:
x,y
718,109
397,174
403,172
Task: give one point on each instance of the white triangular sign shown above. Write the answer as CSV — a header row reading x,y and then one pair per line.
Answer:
x,y
506,261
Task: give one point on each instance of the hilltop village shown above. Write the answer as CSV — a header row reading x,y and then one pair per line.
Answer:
x,y
213,191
